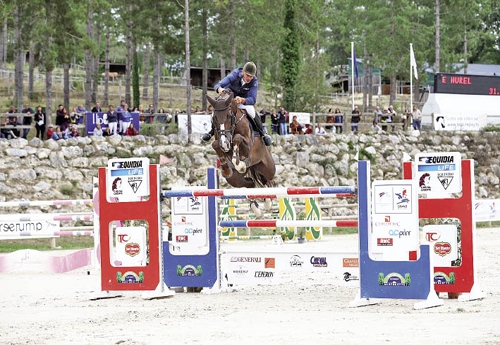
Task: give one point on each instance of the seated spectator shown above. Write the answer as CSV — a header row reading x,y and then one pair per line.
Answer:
x,y
98,130
27,120
295,126
50,131
106,132
309,129
16,132
375,127
8,133
68,130
319,130
58,134
73,133
131,131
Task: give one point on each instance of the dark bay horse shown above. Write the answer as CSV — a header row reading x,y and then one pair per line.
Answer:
x,y
245,160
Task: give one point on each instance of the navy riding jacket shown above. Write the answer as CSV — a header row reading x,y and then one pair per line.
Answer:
x,y
234,81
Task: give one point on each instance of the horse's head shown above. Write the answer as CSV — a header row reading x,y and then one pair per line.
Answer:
x,y
222,119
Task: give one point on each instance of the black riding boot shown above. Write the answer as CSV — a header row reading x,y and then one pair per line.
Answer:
x,y
258,123
208,136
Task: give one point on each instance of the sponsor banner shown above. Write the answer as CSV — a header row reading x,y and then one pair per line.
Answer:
x,y
242,266
199,123
128,179
470,122
487,210
92,119
189,225
303,118
439,174
33,228
395,233
442,240
130,248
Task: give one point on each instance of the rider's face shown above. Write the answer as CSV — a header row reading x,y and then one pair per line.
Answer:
x,y
247,78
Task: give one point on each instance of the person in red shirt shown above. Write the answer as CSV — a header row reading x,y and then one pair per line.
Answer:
x,y
131,131
50,131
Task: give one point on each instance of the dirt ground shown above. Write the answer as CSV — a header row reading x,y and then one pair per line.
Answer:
x,y
310,308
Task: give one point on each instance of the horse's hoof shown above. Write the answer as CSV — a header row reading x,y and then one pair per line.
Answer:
x,y
241,167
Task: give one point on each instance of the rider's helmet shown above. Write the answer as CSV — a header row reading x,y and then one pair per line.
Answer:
x,y
250,68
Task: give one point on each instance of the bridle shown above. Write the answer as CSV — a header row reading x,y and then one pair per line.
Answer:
x,y
225,135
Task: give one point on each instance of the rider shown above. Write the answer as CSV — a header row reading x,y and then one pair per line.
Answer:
x,y
243,83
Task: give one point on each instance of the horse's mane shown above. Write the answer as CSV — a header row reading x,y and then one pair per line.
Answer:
x,y
234,106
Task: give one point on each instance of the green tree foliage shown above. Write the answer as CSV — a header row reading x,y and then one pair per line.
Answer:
x,y
291,57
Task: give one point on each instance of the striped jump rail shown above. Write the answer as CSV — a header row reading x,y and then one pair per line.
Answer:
x,y
44,217
28,203
24,234
273,223
263,193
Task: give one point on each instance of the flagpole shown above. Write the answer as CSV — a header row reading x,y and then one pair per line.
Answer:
x,y
411,78
353,72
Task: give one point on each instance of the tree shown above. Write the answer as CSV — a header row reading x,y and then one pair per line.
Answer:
x,y
291,59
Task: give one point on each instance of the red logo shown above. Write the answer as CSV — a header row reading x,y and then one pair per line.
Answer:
x,y
442,248
270,263
432,236
123,238
132,249
181,238
384,241
387,219
350,262
183,219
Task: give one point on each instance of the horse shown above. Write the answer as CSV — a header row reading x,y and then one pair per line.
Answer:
x,y
245,160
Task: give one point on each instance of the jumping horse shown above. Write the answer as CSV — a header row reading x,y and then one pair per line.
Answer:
x,y
244,159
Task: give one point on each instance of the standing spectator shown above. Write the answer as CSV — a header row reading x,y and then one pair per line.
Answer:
x,y
151,112
40,122
355,118
97,108
417,118
119,111
406,118
131,131
98,130
112,119
50,131
392,116
59,116
263,116
80,109
66,120
330,119
376,114
27,120
275,126
383,119
126,118
12,110
339,119
283,116
319,130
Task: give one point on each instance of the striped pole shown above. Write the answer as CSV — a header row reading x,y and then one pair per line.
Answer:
x,y
46,234
27,203
272,223
262,237
262,193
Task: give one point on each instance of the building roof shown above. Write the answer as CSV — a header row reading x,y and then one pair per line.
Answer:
x,y
480,69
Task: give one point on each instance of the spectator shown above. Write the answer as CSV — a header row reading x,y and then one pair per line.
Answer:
x,y
66,120
210,109
97,108
15,132
9,133
126,118
131,131
27,120
406,118
40,122
283,120
198,110
263,116
377,114
383,119
319,130
58,134
329,119
355,118
308,129
151,112
106,132
12,110
80,109
339,119
375,127
59,115
295,126
50,131
73,133
161,117
275,126
68,130
417,118
112,119
98,130
119,111
392,116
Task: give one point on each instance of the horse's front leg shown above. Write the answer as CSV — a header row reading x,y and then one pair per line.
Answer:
x,y
239,164
226,171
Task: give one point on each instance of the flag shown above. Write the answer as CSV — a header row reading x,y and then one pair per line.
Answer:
x,y
355,63
413,63
165,160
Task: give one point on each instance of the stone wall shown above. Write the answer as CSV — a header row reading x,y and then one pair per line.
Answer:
x,y
48,170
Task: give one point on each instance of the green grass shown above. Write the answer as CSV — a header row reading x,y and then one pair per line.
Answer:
x,y
69,242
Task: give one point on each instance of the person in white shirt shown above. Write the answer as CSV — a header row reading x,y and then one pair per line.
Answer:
x,y
319,130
